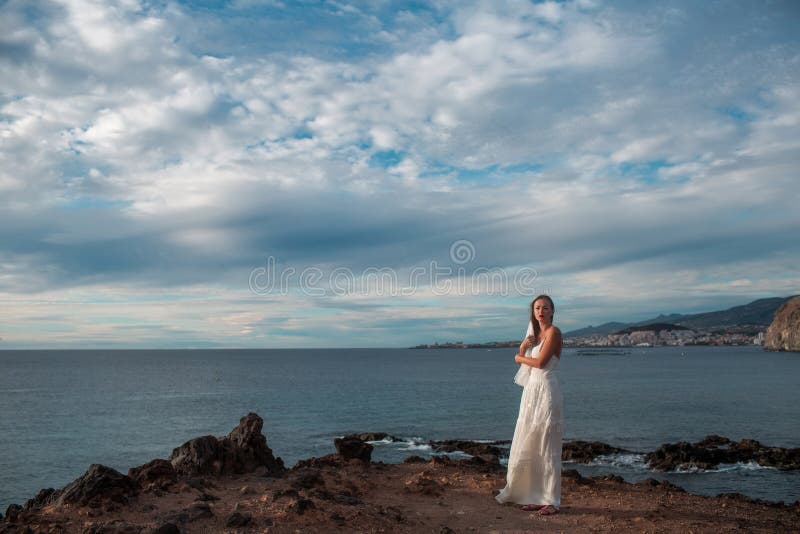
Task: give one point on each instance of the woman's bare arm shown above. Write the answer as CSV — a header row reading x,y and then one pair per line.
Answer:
x,y
550,347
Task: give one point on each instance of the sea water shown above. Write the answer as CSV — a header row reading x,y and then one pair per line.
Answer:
x,y
61,411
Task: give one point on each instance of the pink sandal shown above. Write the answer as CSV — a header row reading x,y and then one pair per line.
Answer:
x,y
532,507
548,510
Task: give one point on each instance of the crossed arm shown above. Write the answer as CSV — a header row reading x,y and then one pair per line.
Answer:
x,y
551,346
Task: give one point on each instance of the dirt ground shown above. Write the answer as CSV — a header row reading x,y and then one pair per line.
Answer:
x,y
438,496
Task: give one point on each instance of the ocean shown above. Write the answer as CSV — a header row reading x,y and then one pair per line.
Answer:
x,y
61,411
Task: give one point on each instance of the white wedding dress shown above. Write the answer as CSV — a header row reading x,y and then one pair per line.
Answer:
x,y
534,462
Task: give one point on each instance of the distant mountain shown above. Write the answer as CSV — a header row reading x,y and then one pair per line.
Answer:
x,y
761,311
605,328
758,312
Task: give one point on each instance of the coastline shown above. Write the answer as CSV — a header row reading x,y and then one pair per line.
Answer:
x,y
235,483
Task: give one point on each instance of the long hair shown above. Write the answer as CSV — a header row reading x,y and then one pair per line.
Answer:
x,y
534,321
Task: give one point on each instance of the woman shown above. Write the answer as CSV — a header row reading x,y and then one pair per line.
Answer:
x,y
534,464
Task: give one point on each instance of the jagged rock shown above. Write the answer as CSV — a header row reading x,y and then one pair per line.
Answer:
x,y
43,498
155,474
713,450
99,484
241,451
414,459
352,446
167,528
784,332
586,451
470,447
329,460
12,512
206,497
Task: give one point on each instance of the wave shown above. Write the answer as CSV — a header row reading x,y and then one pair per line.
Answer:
x,y
627,460
636,462
417,445
752,465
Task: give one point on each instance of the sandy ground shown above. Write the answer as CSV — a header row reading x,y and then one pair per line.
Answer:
x,y
439,496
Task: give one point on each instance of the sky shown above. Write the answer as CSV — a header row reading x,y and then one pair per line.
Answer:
x,y
264,173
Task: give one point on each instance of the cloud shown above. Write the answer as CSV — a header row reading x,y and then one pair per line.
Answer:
x,y
155,147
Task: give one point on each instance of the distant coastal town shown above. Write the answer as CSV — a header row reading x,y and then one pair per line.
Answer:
x,y
640,336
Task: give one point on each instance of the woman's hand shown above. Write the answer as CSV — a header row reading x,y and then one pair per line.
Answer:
x,y
526,344
518,358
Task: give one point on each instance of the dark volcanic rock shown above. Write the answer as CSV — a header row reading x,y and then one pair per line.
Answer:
x,y
43,498
586,451
713,450
12,512
470,447
241,451
352,446
98,484
155,474
329,460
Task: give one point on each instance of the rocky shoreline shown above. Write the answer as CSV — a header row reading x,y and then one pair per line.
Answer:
x,y
705,454
235,484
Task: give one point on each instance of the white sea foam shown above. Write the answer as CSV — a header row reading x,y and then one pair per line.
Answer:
x,y
383,441
412,444
752,465
626,460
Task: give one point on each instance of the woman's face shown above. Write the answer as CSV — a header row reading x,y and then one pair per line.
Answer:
x,y
542,310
